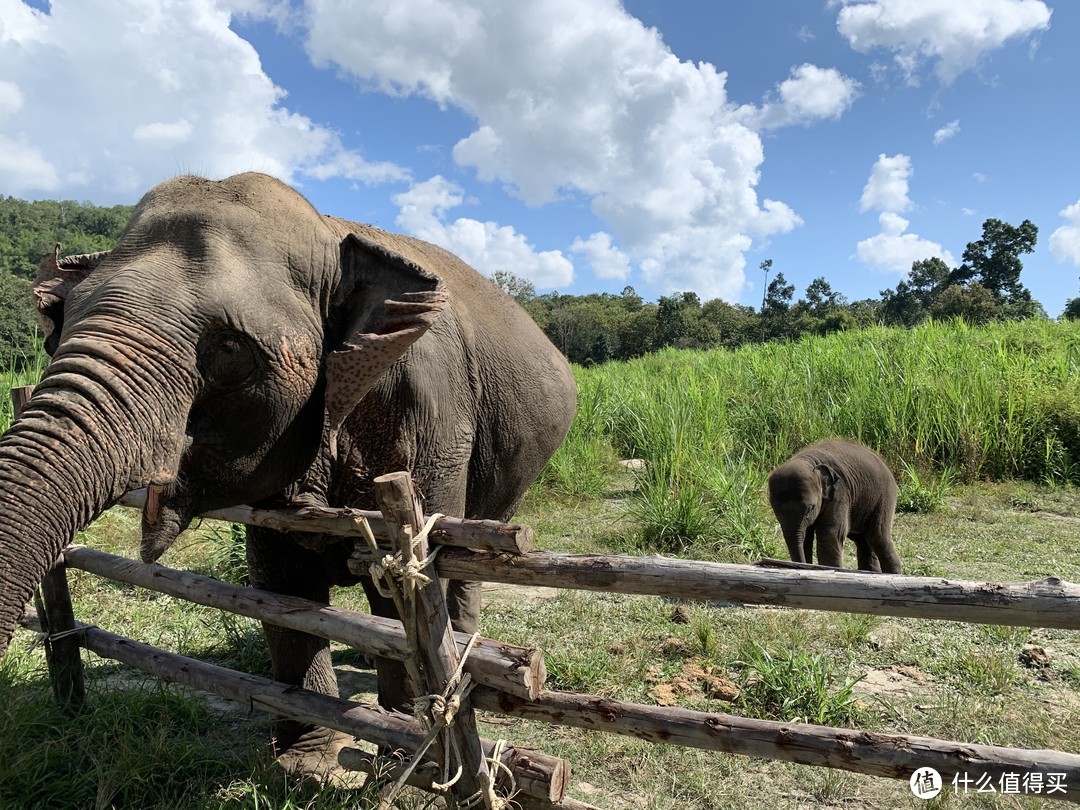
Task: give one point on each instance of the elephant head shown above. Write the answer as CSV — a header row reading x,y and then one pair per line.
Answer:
x,y
798,491
224,305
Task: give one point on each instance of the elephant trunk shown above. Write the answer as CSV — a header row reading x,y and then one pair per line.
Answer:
x,y
104,418
795,538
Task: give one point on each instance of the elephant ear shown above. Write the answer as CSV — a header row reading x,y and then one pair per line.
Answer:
x,y
829,478
389,302
56,278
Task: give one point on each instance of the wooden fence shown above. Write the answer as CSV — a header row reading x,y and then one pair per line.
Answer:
x,y
494,677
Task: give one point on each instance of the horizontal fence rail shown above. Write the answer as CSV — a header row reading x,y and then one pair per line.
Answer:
x,y
535,773
1050,602
489,535
517,670
894,756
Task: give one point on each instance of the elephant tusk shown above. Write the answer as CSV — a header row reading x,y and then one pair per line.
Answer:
x,y
152,507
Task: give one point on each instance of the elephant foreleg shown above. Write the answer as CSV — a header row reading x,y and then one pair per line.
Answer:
x,y
277,563
830,545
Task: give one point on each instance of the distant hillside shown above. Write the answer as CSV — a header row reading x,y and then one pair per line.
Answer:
x,y
28,230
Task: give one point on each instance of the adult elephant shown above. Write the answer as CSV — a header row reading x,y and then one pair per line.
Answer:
x,y
237,347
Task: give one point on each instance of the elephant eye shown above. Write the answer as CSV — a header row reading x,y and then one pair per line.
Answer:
x,y
227,358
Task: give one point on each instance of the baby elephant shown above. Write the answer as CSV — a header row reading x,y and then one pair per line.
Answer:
x,y
832,490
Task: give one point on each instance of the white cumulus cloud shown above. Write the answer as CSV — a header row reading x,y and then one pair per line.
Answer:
x,y
895,250
887,188
595,105
11,99
606,260
115,96
946,132
952,35
809,94
1065,241
487,246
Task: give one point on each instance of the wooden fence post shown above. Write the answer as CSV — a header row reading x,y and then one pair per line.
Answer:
x,y
438,650
57,617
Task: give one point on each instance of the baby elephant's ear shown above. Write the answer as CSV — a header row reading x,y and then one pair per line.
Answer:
x,y
387,304
56,278
828,480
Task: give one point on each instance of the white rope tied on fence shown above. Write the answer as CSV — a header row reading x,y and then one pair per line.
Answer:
x,y
486,795
438,712
410,574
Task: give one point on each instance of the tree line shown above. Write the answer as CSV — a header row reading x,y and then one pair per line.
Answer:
x,y
598,327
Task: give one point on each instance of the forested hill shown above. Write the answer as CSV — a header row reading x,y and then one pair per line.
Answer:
x,y
598,327
29,230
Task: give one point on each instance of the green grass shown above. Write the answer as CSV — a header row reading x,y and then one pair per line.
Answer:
x,y
794,687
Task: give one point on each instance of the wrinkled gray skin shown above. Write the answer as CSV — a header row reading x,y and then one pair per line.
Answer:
x,y
215,352
832,490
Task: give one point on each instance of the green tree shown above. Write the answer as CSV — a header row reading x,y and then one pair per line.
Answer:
x,y
29,230
776,308
820,312
19,335
637,332
520,289
972,302
912,299
732,324
630,300
994,260
678,320
765,266
1072,309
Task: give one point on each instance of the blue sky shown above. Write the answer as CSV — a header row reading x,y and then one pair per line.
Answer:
x,y
584,144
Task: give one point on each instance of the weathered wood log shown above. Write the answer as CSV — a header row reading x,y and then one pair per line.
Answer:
x,y
1051,602
895,756
57,617
56,614
20,395
488,535
439,653
393,730
518,670
541,779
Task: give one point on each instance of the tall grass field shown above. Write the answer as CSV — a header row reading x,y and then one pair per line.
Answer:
x,y
669,454
942,402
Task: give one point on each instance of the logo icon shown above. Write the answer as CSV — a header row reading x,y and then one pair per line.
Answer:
x,y
925,783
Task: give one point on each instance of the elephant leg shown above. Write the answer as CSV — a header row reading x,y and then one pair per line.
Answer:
x,y
463,604
868,560
830,545
395,693
879,538
278,564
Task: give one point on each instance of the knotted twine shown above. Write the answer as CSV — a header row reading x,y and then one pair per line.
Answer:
x,y
436,712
